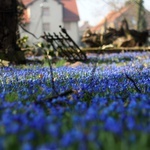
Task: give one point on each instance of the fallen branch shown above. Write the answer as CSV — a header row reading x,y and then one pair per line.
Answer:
x,y
66,93
49,99
56,94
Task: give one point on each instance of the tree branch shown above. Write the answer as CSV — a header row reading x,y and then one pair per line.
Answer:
x,y
29,32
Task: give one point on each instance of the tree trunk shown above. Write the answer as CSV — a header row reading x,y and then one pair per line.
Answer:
x,y
9,31
141,21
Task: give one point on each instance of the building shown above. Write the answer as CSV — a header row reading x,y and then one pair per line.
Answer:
x,y
114,18
46,15
84,27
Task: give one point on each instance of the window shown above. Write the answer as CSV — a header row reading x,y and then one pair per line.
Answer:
x,y
45,11
46,27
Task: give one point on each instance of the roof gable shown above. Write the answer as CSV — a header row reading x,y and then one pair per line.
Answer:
x,y
112,16
28,2
70,11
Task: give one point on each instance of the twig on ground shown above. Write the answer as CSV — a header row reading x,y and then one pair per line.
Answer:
x,y
56,94
134,83
52,77
49,99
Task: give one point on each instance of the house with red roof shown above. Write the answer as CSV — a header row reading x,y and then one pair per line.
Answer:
x,y
46,15
114,18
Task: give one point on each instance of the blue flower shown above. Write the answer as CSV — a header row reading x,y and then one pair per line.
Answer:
x,y
67,139
81,106
112,125
29,136
26,146
130,121
53,130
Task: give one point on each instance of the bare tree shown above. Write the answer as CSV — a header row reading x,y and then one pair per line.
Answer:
x,y
141,21
115,4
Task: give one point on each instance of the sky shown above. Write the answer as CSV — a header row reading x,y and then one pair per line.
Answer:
x,y
95,10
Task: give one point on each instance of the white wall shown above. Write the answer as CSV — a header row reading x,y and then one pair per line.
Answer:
x,y
36,18
54,19
73,30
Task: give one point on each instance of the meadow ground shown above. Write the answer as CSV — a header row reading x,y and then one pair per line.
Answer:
x,y
107,106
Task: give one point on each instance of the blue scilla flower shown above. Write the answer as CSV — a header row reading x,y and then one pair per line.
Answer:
x,y
77,135
76,119
2,96
24,97
112,107
81,106
91,114
148,89
29,136
14,128
67,139
48,146
53,130
40,97
132,103
130,122
6,117
113,125
101,101
26,146
38,122
104,114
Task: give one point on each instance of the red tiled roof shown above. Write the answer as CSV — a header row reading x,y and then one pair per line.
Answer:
x,y
111,17
27,2
70,11
26,17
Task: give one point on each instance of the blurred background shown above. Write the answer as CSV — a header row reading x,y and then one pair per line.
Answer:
x,y
77,16
95,10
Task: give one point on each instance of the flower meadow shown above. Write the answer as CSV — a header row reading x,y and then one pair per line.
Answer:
x,y
108,108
